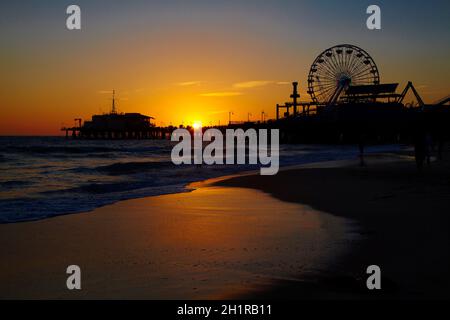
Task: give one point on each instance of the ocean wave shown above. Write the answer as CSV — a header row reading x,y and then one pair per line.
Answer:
x,y
59,149
124,168
52,176
102,188
14,184
32,208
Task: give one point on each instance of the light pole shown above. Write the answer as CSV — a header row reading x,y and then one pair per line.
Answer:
x,y
229,117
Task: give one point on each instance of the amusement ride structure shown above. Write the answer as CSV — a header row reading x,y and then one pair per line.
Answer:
x,y
338,68
350,104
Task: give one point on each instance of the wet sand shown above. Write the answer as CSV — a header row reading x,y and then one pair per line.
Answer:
x,y
404,219
214,242
249,236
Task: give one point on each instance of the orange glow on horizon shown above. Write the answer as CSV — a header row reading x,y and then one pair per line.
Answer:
x,y
179,68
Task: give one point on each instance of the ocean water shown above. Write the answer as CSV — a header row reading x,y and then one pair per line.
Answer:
x,y
42,177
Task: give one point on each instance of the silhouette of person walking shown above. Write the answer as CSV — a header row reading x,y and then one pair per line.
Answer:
x,y
419,149
428,147
361,145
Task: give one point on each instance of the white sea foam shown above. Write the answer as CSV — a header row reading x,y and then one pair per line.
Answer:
x,y
43,177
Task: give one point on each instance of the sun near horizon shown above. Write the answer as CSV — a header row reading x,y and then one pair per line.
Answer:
x,y
199,61
197,125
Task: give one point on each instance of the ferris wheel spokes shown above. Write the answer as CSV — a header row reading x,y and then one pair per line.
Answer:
x,y
336,68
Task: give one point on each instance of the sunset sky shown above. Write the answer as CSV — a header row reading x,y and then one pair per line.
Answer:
x,y
185,61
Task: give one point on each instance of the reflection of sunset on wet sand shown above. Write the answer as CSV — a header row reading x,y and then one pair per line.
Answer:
x,y
211,242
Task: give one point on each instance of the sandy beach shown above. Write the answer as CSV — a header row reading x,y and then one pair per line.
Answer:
x,y
304,233
213,242
404,220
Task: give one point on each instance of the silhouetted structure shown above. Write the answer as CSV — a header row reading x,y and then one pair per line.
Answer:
x,y
350,105
116,125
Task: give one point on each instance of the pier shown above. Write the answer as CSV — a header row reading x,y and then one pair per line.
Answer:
x,y
347,104
116,125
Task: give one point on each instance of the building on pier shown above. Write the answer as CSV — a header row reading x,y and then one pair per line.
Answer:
x,y
115,125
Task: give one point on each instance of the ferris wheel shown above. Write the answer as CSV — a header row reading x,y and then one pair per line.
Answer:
x,y
336,68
